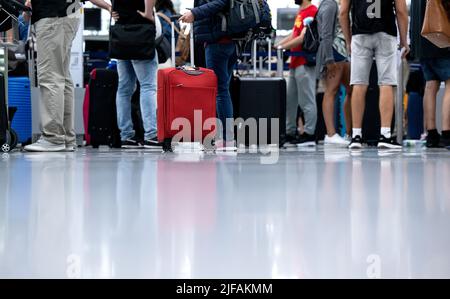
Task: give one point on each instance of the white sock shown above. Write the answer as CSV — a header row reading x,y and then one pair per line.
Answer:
x,y
357,132
386,132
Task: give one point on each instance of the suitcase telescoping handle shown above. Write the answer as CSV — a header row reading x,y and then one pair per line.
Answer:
x,y
255,58
173,19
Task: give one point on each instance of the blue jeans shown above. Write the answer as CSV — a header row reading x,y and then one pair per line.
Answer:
x,y
221,58
146,72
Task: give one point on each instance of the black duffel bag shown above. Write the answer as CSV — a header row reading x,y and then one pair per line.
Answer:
x,y
164,48
132,41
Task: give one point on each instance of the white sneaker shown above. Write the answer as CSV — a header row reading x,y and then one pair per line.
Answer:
x,y
43,145
70,148
226,146
336,140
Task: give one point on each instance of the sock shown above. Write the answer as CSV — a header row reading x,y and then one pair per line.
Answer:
x,y
386,132
357,132
446,134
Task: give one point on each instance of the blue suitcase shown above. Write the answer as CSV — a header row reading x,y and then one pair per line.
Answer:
x,y
415,116
19,95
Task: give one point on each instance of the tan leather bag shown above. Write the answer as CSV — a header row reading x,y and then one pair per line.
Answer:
x,y
183,45
436,26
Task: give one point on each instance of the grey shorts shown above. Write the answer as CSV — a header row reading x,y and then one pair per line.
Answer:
x,y
383,47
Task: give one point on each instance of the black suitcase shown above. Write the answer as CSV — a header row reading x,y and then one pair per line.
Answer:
x,y
103,86
102,108
3,114
260,98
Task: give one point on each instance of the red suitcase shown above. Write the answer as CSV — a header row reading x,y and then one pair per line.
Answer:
x,y
188,93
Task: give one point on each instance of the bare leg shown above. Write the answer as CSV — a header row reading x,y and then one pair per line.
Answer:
x,y
386,105
358,105
446,108
429,104
332,83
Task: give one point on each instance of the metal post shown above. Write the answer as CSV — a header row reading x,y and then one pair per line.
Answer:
x,y
270,54
255,57
399,103
191,33
173,44
280,63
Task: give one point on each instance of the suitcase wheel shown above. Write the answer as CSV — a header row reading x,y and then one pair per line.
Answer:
x,y
6,148
167,145
11,141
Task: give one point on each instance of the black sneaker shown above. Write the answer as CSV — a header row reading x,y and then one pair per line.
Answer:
x,y
132,143
356,143
388,143
433,141
289,140
152,143
305,140
444,142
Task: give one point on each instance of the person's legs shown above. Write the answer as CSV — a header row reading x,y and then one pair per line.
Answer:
x,y
51,77
429,104
71,25
446,108
146,72
361,64
291,105
332,84
441,69
429,107
358,105
229,129
305,78
126,89
445,140
432,86
387,66
219,57
347,103
386,106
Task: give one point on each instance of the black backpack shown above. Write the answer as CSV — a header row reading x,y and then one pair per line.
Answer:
x,y
311,42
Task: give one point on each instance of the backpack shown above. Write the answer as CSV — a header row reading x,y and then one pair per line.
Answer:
x,y
246,15
311,42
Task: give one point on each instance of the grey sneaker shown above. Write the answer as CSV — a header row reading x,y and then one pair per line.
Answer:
x,y
43,145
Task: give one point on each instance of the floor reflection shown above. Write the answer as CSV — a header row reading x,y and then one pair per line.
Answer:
x,y
326,213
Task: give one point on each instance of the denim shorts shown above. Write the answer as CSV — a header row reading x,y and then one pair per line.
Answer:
x,y
338,57
436,69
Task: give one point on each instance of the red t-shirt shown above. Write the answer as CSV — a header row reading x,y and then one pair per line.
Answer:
x,y
310,11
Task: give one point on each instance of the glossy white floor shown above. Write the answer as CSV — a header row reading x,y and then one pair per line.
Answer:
x,y
321,213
